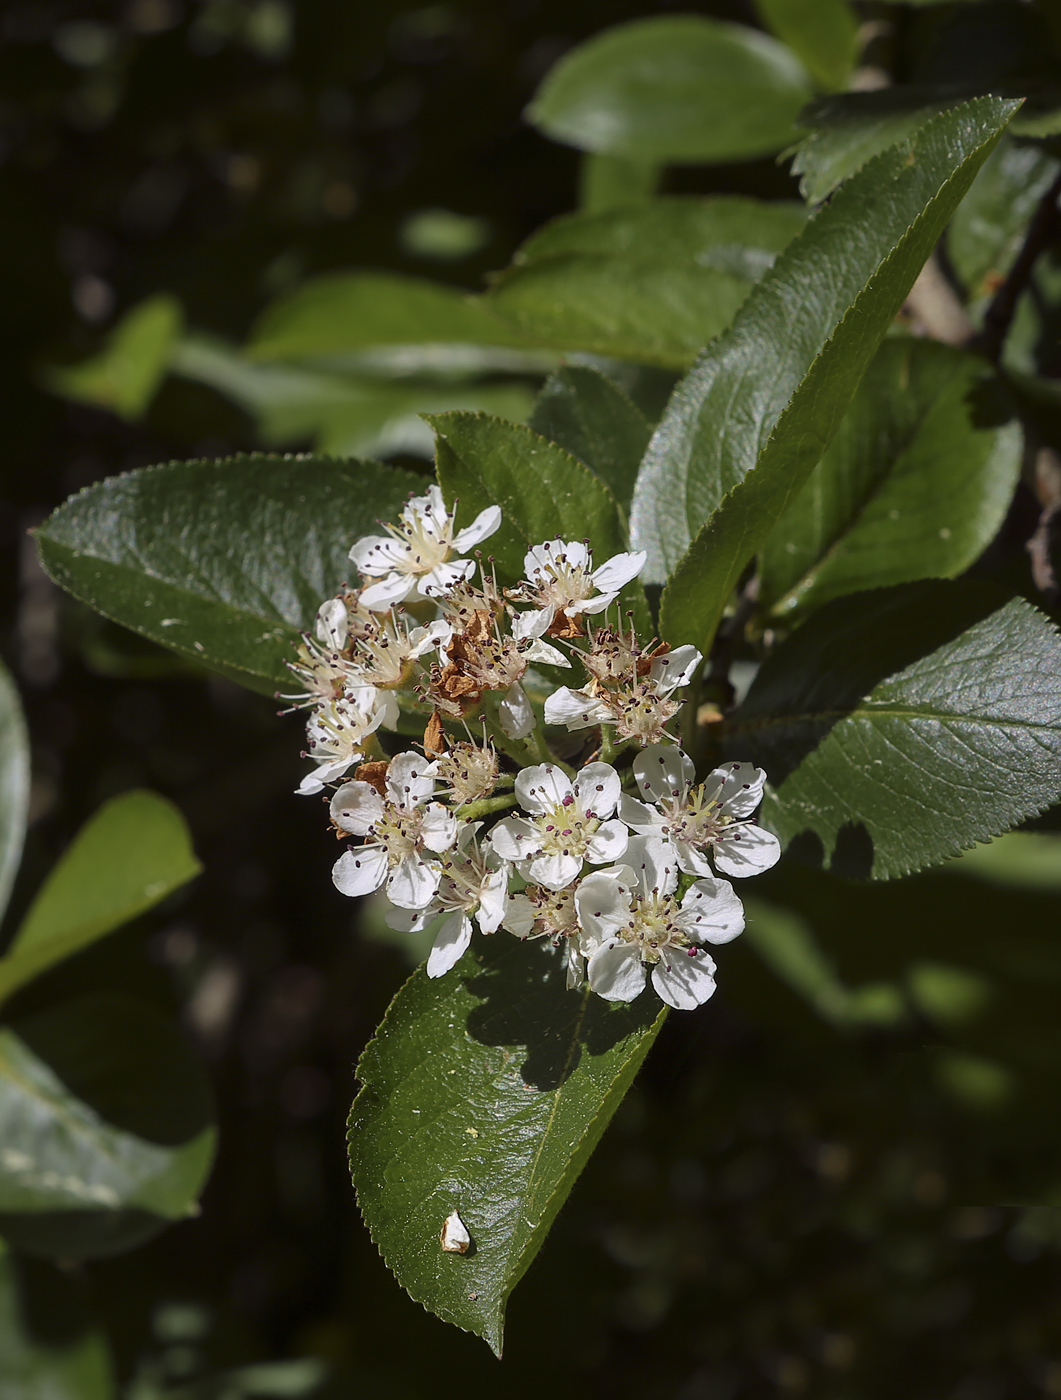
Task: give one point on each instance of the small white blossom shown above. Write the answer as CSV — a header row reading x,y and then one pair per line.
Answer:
x,y
337,732
713,816
474,881
404,831
413,560
640,710
632,921
568,823
560,578
540,913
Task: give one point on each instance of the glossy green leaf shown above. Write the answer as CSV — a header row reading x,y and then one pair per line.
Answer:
x,y
652,283
14,784
343,312
104,1126
588,415
75,1365
915,484
543,491
132,853
222,562
900,726
988,227
747,425
485,1092
674,88
125,375
823,34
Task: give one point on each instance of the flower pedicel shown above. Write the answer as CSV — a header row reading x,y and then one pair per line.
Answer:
x,y
494,829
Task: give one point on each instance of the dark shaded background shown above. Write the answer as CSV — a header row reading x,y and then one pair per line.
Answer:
x,y
779,1208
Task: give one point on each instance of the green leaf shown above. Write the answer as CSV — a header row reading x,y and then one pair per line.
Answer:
x,y
222,562
105,1125
915,484
900,726
485,1092
132,853
823,34
988,227
680,88
748,423
543,491
343,312
75,1365
14,784
588,415
125,375
651,284
610,182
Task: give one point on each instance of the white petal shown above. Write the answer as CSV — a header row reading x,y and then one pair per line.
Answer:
x,y
310,785
450,945
532,624
618,570
575,710
555,872
436,635
540,556
742,788
692,861
515,713
438,829
598,787
360,871
493,900
711,912
443,578
374,554
749,850
590,605
640,817
603,905
545,655
520,916
410,779
676,668
608,843
411,920
542,787
388,712
514,838
481,528
616,973
663,770
382,596
332,623
575,966
413,883
654,863
685,982
355,807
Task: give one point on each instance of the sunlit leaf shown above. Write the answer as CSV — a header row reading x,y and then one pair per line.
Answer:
x,y
126,373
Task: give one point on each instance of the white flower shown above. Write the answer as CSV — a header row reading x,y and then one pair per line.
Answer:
x,y
631,922
383,659
560,578
567,824
337,732
400,828
413,558
474,881
640,710
714,815
540,913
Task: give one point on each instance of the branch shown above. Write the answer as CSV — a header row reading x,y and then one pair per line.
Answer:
x,y
999,314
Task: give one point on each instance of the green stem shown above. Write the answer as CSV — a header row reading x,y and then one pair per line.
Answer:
x,y
471,811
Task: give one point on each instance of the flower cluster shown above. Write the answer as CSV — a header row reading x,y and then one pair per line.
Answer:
x,y
604,843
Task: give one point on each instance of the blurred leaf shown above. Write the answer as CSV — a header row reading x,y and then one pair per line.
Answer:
x,y
949,995
443,234
1029,860
485,1092
915,484
104,1124
588,415
348,311
675,88
125,375
988,227
746,426
222,562
76,1367
613,182
132,853
14,784
652,283
898,727
823,34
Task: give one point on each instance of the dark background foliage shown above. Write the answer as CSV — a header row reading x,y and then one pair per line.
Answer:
x,y
781,1206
